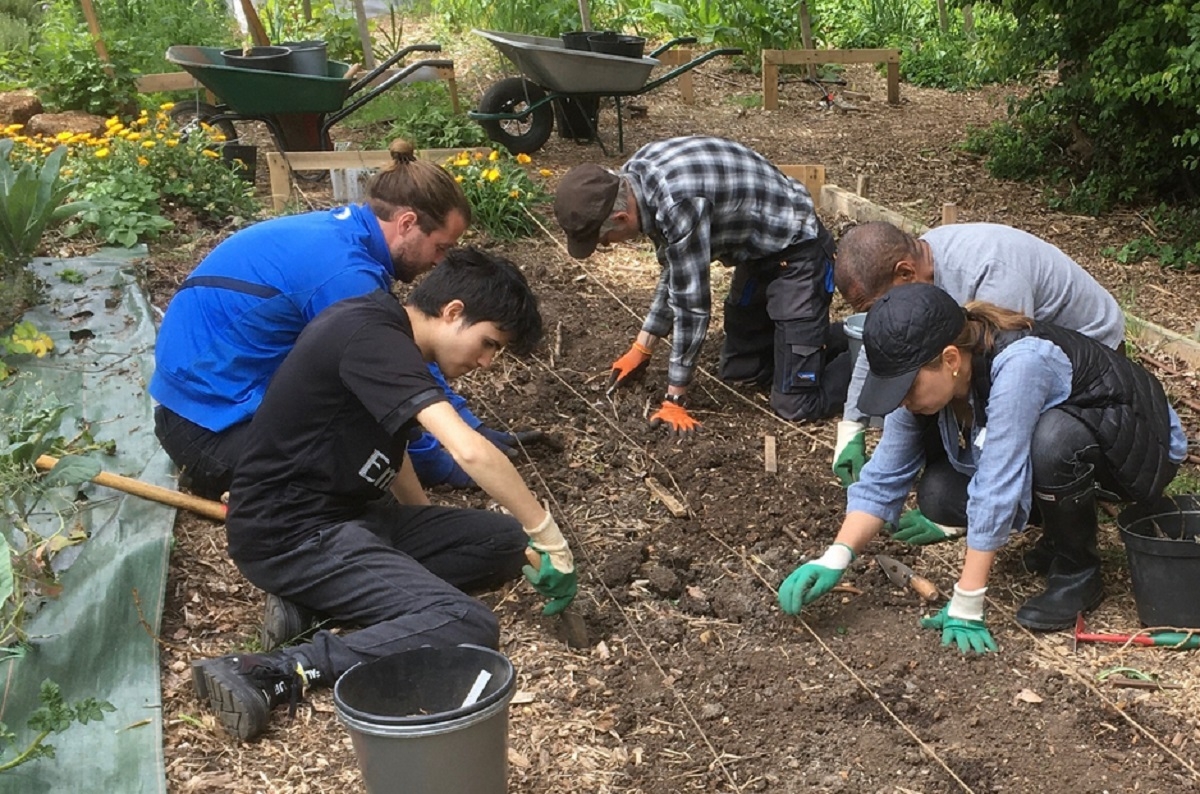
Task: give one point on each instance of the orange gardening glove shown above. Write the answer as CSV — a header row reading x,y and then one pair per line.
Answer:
x,y
630,365
675,417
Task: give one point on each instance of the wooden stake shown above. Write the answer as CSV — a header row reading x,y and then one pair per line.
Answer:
x,y
89,13
770,463
364,34
258,34
949,213
863,185
673,505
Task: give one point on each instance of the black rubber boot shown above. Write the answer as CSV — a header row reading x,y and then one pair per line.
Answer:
x,y
286,623
243,688
1037,558
1073,581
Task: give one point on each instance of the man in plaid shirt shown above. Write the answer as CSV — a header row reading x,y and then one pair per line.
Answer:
x,y
701,200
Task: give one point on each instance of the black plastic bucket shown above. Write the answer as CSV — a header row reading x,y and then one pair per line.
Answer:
x,y
430,720
270,59
576,117
308,57
576,40
1162,541
611,43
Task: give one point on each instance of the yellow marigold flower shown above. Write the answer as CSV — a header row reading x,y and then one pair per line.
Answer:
x,y
524,159
67,172
494,156
148,144
492,174
210,153
64,136
218,137
101,153
514,194
111,121
171,144
462,161
11,128
133,136
143,162
166,107
115,129
545,172
478,155
458,179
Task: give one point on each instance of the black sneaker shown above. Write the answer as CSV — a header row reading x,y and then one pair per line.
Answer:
x,y
286,623
243,688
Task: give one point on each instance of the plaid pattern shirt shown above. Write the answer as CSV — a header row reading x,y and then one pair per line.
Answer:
x,y
705,199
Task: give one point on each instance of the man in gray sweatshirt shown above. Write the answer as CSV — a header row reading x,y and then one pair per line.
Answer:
x,y
970,261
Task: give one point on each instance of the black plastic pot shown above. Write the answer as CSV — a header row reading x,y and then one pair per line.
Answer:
x,y
308,57
1162,541
577,40
611,43
269,59
576,118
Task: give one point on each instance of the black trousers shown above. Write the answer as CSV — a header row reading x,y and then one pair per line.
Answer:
x,y
777,331
402,573
205,458
1063,450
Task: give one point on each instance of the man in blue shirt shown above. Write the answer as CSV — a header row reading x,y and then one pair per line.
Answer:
x,y
235,318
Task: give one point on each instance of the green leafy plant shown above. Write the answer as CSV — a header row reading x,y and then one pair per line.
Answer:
x,y
24,339
54,716
70,276
285,20
501,191
31,198
422,114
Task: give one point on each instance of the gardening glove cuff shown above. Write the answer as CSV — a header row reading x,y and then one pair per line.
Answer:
x,y
546,537
633,363
966,604
849,451
916,529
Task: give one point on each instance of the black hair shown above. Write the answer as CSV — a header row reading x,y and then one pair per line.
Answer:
x,y
491,288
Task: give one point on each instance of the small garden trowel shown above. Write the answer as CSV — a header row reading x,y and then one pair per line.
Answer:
x,y
903,576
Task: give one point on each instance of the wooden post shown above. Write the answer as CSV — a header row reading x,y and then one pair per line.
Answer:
x,y
949,213
893,82
770,461
968,12
253,24
806,34
863,185
770,80
811,176
943,17
364,34
585,16
687,87
89,13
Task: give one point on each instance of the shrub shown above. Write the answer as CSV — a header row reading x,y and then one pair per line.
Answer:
x,y
501,191
420,113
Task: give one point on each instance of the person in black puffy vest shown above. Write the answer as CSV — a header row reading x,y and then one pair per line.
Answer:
x,y
993,410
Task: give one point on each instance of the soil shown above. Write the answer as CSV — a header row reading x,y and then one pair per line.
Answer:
x,y
694,680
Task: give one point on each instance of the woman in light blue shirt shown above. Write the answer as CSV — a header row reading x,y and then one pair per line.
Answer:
x,y
993,410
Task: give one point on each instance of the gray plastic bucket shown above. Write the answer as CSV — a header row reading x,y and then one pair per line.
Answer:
x,y
308,57
430,720
854,328
1164,569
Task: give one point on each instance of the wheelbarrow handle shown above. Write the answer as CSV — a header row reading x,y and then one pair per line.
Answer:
x,y
673,43
333,118
390,62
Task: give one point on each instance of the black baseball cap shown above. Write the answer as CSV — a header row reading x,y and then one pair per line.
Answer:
x,y
906,328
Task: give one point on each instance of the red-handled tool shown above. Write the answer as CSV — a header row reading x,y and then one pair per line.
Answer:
x,y
1180,640
903,576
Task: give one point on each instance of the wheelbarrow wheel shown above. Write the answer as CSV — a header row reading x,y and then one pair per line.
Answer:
x,y
189,114
517,95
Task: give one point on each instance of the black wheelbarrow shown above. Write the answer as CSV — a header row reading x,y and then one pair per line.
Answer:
x,y
298,109
517,112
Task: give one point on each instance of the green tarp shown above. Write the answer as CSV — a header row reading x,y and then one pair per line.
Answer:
x,y
90,639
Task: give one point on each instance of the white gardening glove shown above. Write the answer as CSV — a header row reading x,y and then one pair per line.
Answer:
x,y
546,537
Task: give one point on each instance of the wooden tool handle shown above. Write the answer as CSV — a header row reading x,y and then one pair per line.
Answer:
x,y
925,588
155,493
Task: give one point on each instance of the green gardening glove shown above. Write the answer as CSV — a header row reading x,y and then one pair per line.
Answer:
x,y
814,579
961,622
918,530
850,451
552,583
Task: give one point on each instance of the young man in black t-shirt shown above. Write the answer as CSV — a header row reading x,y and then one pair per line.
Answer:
x,y
326,512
